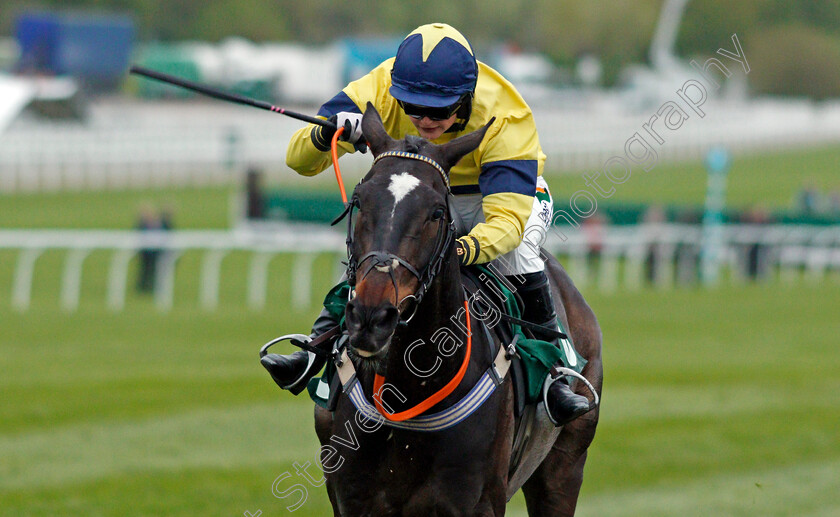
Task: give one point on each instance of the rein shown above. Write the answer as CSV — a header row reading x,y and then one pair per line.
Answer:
x,y
334,155
415,418
436,397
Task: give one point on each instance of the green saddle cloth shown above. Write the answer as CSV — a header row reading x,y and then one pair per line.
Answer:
x,y
537,356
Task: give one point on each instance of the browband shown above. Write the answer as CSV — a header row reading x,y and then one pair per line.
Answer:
x,y
418,157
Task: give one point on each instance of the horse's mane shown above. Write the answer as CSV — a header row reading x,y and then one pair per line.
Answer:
x,y
413,143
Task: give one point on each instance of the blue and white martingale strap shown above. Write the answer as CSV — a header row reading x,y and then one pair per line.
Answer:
x,y
445,419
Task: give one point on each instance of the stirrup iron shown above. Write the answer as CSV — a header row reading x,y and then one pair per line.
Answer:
x,y
562,371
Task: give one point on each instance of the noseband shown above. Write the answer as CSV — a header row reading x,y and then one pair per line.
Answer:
x,y
385,261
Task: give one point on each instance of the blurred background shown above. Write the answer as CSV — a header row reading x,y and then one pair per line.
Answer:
x,y
152,240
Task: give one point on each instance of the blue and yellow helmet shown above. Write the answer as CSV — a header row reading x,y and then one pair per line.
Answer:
x,y
435,66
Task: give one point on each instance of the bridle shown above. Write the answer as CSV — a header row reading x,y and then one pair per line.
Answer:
x,y
385,261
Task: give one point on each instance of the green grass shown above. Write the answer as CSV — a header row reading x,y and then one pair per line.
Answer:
x,y
770,180
206,207
716,402
719,402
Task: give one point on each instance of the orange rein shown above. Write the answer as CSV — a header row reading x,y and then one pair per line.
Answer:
x,y
436,397
334,151
379,380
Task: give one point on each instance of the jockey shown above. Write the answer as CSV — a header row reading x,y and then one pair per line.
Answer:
x,y
435,88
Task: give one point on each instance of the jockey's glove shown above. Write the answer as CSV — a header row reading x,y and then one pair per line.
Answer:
x,y
351,122
466,248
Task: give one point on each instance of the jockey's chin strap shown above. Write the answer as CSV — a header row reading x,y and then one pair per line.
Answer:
x,y
385,261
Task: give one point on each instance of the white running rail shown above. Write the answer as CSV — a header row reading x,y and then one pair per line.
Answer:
x,y
661,255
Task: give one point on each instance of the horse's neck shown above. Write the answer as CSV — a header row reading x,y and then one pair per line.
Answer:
x,y
443,299
421,347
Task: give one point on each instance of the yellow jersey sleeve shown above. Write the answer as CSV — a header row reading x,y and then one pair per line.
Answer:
x,y
505,215
306,159
503,169
303,157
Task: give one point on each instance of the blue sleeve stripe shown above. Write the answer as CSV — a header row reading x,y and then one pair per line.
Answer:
x,y
517,176
340,102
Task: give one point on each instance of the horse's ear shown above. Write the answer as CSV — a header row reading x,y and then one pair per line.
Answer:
x,y
374,130
451,152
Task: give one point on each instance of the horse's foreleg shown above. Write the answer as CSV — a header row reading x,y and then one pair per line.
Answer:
x,y
323,428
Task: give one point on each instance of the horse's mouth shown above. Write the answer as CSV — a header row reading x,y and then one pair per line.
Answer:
x,y
367,355
372,360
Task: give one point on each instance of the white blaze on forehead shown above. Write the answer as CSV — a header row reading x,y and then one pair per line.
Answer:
x,y
401,185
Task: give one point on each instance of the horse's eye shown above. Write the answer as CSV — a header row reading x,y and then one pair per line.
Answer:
x,y
437,214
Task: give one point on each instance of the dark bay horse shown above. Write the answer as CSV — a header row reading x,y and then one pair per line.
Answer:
x,y
407,290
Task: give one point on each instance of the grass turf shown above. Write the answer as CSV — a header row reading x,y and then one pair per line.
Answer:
x,y
206,207
771,181
715,402
719,402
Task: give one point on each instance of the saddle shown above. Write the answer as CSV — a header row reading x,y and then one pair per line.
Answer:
x,y
534,358
534,434
495,300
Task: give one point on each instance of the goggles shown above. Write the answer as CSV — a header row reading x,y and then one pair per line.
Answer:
x,y
437,114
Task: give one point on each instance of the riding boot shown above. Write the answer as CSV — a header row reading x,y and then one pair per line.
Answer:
x,y
562,404
293,371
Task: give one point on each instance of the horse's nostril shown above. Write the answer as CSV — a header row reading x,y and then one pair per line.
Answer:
x,y
385,317
352,315
370,328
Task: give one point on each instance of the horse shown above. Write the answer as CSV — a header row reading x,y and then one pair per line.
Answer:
x,y
401,242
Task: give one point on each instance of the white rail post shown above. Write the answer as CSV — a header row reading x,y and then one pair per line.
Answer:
x,y
210,272
22,291
634,266
71,282
165,281
688,260
258,279
302,280
579,262
816,262
735,255
834,264
117,278
664,257
608,268
791,259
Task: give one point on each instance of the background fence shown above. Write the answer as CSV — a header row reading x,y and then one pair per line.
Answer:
x,y
130,144
629,257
